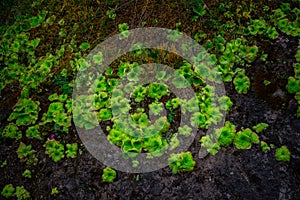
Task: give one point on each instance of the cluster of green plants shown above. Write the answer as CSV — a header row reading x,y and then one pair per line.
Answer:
x,y
293,84
243,139
131,128
19,192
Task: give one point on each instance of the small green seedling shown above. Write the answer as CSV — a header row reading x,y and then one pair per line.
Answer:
x,y
260,127
109,175
283,154
54,191
8,191
292,85
181,162
27,173
22,193
245,138
264,146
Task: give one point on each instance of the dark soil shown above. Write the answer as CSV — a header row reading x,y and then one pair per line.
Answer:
x,y
230,174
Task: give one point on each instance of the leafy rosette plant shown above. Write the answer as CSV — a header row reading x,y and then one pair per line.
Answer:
x,y
241,82
157,90
116,137
260,127
210,144
283,154
185,130
245,138
82,112
131,147
264,146
33,132
72,150
162,124
26,154
181,162
124,31
225,103
12,131
104,114
227,134
155,145
293,85
156,108
54,149
8,191
25,112
139,93
109,175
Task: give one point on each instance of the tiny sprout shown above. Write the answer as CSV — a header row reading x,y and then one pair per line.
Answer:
x,y
27,173
266,82
264,146
54,191
61,22
283,154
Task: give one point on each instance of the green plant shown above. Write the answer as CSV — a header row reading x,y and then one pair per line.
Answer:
x,y
227,134
72,150
292,85
3,164
22,193
54,191
123,28
185,130
25,153
25,112
108,175
283,154
157,90
208,142
156,108
11,131
84,46
245,138
225,103
104,114
260,127
27,173
264,146
181,162
8,191
54,149
33,132
139,93
241,82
